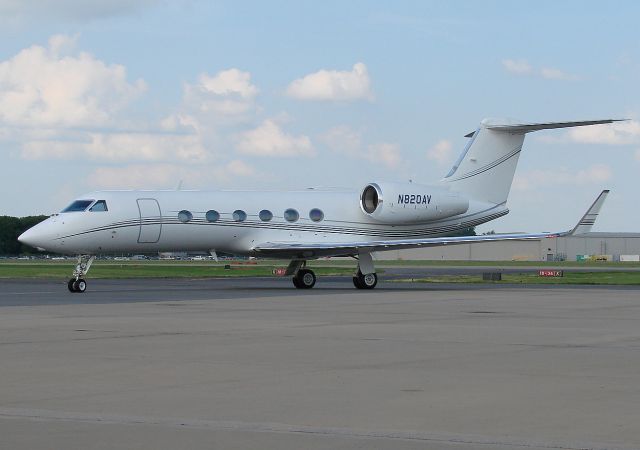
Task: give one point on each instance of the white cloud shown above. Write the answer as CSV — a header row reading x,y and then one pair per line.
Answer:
x,y
229,82
343,139
239,168
517,66
270,140
348,142
384,153
594,174
47,86
118,147
227,97
551,73
333,85
522,67
617,133
166,176
440,152
137,176
71,9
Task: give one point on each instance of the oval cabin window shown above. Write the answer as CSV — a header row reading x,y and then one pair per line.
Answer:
x,y
239,215
212,215
185,216
265,215
291,215
316,215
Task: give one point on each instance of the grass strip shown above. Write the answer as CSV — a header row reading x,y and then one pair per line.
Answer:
x,y
584,278
146,270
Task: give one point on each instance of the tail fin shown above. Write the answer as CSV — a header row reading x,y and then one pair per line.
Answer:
x,y
484,171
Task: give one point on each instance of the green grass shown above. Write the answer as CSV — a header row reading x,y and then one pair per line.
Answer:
x,y
584,278
149,269
540,264
344,267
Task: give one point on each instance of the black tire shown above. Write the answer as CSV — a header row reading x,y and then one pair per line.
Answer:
x,y
306,279
368,281
80,285
70,285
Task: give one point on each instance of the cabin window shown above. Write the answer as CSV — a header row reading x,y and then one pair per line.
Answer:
x,y
316,215
212,215
185,216
99,206
291,215
265,215
78,206
239,215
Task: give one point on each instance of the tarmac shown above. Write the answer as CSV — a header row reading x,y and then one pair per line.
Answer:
x,y
254,363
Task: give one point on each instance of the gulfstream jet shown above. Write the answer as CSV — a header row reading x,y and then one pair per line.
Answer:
x,y
303,225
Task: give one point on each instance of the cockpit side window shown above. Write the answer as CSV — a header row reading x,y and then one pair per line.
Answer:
x,y
100,205
78,206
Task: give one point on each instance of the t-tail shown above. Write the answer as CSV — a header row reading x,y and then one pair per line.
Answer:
x,y
484,171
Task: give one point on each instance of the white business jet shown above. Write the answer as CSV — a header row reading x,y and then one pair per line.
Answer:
x,y
307,224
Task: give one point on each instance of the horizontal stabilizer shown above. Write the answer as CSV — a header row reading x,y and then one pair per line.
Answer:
x,y
528,127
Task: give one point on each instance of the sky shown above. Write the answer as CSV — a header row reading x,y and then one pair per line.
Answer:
x,y
125,94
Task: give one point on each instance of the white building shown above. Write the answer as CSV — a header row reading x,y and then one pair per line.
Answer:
x,y
570,248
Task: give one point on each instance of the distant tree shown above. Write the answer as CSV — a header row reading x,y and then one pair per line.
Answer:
x,y
471,231
11,228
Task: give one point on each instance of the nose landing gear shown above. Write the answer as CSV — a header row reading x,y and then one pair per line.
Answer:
x,y
78,283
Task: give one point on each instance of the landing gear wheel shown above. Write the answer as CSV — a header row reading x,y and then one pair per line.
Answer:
x,y
80,285
368,281
304,279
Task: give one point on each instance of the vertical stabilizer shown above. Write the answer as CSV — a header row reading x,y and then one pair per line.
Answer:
x,y
485,169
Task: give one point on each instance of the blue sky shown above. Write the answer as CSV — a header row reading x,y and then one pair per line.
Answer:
x,y
126,94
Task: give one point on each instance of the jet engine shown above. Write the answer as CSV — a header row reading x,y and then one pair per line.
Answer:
x,y
399,203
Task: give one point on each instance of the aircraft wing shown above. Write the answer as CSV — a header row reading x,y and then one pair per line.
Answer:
x,y
304,250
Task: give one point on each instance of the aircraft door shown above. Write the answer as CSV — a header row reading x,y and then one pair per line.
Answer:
x,y
150,221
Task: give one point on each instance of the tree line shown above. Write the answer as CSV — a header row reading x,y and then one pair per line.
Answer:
x,y
10,229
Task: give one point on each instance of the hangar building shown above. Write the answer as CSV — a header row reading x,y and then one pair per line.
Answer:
x,y
608,246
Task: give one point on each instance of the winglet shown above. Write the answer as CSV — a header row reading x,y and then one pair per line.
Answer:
x,y
589,218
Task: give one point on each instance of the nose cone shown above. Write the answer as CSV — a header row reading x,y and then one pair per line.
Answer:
x,y
34,237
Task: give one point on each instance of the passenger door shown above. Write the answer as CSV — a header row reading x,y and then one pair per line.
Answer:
x,y
150,221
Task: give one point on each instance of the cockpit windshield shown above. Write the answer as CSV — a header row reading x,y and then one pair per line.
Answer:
x,y
100,205
78,206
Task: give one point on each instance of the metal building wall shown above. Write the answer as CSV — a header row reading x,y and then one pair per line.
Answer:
x,y
614,244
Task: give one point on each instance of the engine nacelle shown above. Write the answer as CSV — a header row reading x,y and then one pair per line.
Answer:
x,y
396,203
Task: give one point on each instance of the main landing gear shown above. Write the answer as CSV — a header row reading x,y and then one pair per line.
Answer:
x,y
362,281
366,277
78,283
303,278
